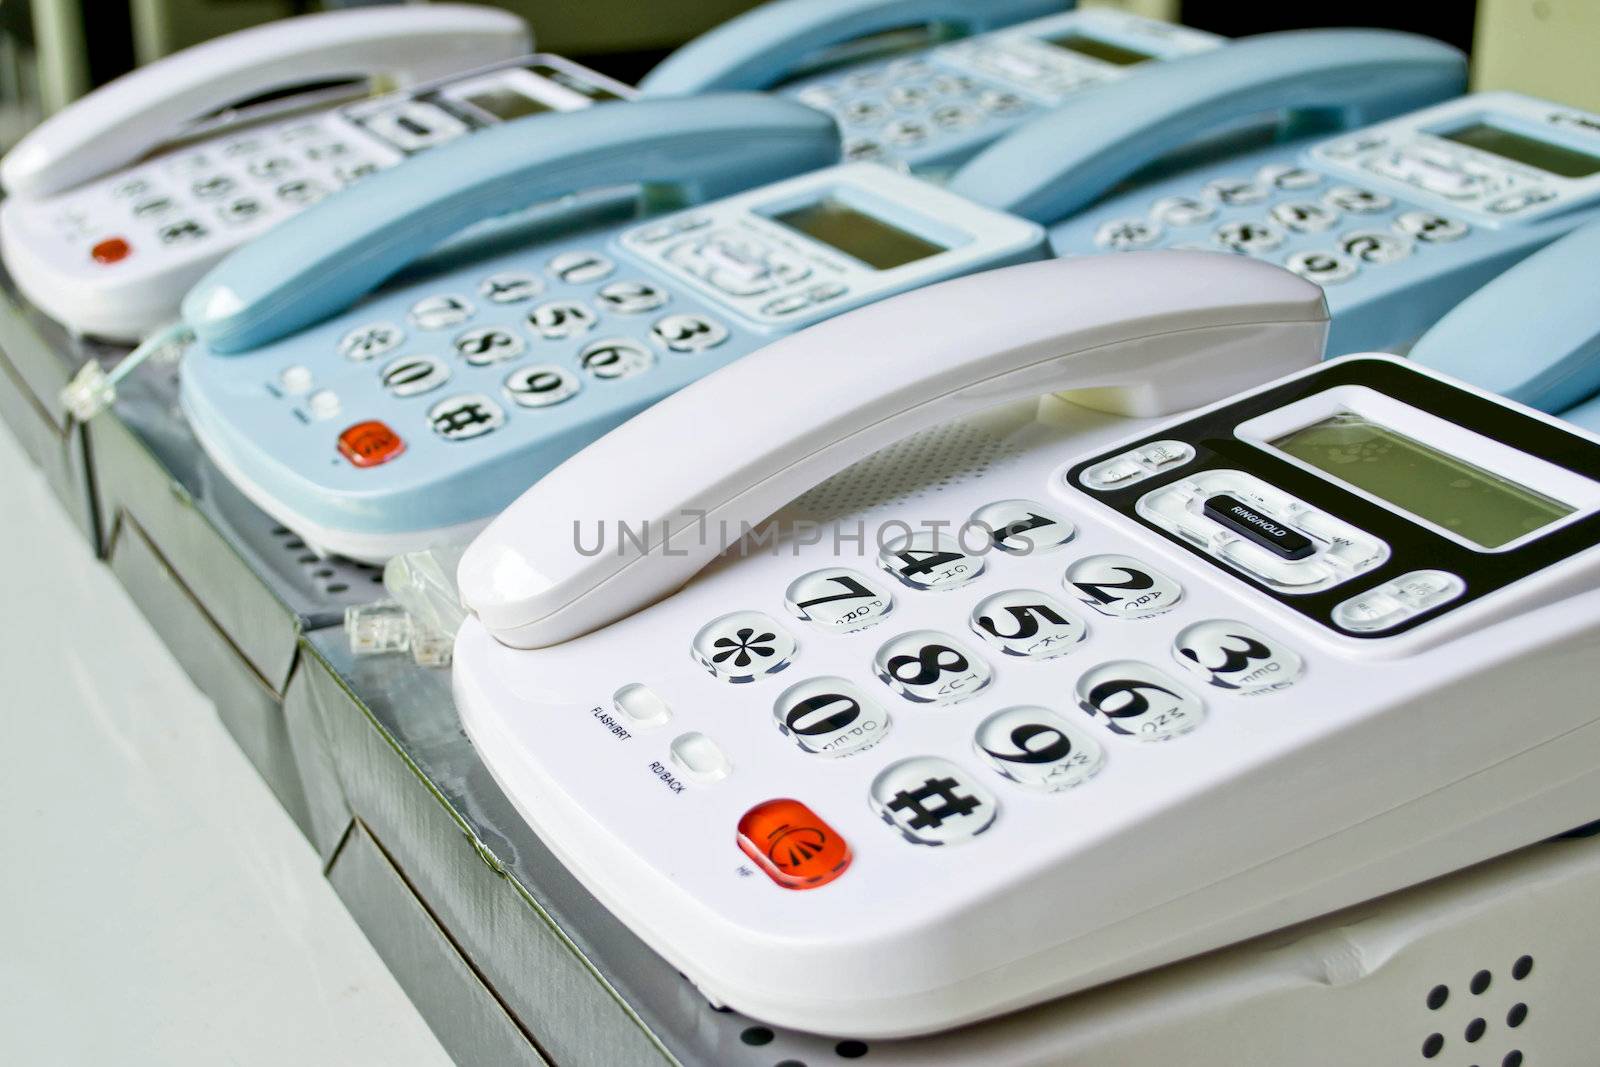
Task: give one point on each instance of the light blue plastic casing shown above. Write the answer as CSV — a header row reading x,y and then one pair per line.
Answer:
x,y
930,107
268,348
1430,219
1532,334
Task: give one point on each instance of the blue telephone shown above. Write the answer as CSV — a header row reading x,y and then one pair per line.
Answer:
x,y
1397,221
932,106
419,412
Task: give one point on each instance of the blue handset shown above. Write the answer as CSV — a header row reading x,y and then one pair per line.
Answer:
x,y
1398,221
1532,334
422,410
934,105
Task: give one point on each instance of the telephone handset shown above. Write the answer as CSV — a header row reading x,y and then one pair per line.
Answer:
x,y
1042,696
106,238
932,106
353,452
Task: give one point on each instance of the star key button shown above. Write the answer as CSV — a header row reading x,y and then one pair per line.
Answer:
x,y
743,646
792,844
370,443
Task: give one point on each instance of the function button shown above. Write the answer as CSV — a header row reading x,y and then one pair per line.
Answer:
x,y
1375,246
928,560
1427,226
350,173
931,801
1122,587
152,208
863,112
904,132
792,845
302,191
786,305
181,232
1395,602
743,646
864,150
510,287
1511,203
1027,623
1182,210
641,706
1124,235
838,600
1236,192
580,268
1324,268
1037,748
631,297
826,291
615,358
908,97
414,375
441,312
485,345
1137,700
954,116
560,319
1357,201
295,380
1000,102
1305,216
927,667
1302,576
1022,527
272,167
240,210
213,186
1248,237
1233,655
1254,525
374,339
830,717
541,385
699,758
1288,177
1136,465
367,444
461,418
323,404
111,250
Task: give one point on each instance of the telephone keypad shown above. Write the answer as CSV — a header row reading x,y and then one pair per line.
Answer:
x,y
615,358
375,339
440,312
461,418
581,268
561,319
931,801
689,333
838,600
414,375
541,385
510,287
927,667
1022,527
743,646
1137,700
1036,748
830,717
1324,268
484,345
929,560
1237,656
1122,587
1028,624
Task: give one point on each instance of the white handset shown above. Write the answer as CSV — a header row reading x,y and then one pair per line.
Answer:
x,y
1111,331
164,101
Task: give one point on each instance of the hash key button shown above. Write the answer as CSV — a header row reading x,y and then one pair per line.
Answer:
x,y
1251,524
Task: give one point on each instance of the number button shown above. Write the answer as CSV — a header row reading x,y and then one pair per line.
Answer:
x,y
1248,238
181,232
131,188
1182,210
213,186
743,646
1137,700
930,561
631,297
1375,246
1021,527
1303,216
830,717
1232,655
580,268
1324,268
1122,587
927,667
152,208
1027,623
486,345
615,358
689,333
240,210
374,339
837,600
461,418
541,385
1426,226
271,167
440,312
510,287
302,191
350,173
561,319
1235,192
932,801
414,375
1039,749
1357,201
1288,176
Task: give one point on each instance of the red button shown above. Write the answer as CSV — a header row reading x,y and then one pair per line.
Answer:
x,y
110,250
792,844
367,444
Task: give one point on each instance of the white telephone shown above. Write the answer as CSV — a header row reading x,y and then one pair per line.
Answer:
x,y
1037,694
118,203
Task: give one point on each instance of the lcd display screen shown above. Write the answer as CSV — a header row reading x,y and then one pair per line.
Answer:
x,y
1104,51
506,103
1520,148
1478,505
856,233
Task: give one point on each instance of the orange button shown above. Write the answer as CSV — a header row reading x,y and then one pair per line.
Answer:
x,y
367,444
110,250
795,847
